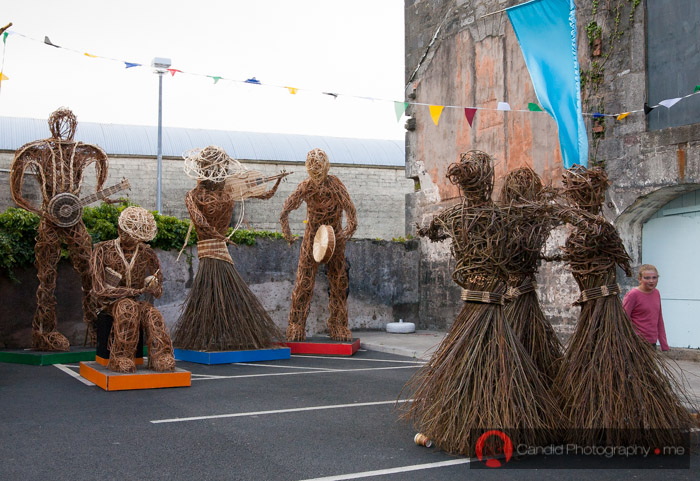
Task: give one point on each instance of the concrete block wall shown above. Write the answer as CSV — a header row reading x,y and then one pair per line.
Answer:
x,y
377,192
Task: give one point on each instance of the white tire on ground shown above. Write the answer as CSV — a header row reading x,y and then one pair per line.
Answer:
x,y
400,327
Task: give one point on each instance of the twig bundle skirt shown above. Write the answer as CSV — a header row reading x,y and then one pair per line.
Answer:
x,y
221,313
481,378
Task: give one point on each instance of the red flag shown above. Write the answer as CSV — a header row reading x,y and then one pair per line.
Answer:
x,y
469,114
173,71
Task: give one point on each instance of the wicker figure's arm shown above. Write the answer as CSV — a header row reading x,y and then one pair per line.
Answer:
x,y
153,264
268,194
100,288
292,203
204,229
97,155
350,212
24,158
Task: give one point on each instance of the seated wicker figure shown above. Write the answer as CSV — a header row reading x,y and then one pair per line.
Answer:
x,y
480,378
220,313
326,199
616,389
524,196
119,269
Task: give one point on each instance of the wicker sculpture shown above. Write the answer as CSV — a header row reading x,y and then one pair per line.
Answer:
x,y
221,313
326,199
524,197
59,164
123,269
616,389
480,377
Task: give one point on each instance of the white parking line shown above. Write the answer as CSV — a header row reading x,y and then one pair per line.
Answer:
x,y
285,367
402,469
240,376
278,411
343,358
74,374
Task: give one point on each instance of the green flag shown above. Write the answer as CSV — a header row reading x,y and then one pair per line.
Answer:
x,y
400,108
533,107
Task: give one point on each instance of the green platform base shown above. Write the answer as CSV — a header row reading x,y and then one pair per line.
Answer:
x,y
44,358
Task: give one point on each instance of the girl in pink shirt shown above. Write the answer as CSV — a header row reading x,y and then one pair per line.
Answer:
x,y
643,307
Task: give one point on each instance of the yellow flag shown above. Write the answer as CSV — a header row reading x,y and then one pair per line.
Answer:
x,y
435,112
88,55
292,90
3,77
622,116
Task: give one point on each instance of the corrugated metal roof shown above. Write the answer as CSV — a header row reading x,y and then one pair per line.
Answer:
x,y
142,140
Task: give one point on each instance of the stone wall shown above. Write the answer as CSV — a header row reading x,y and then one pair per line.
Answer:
x,y
476,61
384,280
377,192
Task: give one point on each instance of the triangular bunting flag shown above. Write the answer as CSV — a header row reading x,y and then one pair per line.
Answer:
x,y
173,71
469,114
647,109
89,55
130,64
3,77
435,112
4,40
622,116
48,42
292,90
332,94
697,87
533,107
216,79
400,108
253,80
668,103
598,115
503,106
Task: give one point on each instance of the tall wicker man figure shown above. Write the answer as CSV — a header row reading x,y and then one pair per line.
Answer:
x,y
326,199
58,163
120,267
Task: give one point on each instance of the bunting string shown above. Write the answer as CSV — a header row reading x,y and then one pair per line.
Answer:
x,y
435,110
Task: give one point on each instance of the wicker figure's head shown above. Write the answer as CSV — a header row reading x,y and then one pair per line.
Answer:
x,y
63,123
474,175
138,223
317,165
210,163
586,187
522,184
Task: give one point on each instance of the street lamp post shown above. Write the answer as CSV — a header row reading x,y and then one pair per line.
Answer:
x,y
160,66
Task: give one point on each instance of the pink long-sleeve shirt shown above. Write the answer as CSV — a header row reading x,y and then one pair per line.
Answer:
x,y
644,310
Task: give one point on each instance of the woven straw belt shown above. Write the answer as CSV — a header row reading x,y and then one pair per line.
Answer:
x,y
597,292
528,285
484,297
214,249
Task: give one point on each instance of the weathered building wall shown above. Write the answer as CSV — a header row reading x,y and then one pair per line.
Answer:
x,y
383,288
378,192
476,61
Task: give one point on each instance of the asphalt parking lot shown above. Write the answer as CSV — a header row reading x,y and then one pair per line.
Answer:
x,y
306,418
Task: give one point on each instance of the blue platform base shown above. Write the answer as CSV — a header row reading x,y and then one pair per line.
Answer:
x,y
228,357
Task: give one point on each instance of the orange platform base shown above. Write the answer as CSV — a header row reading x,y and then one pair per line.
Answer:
x,y
141,379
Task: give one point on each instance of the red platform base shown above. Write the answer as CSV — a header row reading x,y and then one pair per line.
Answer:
x,y
323,346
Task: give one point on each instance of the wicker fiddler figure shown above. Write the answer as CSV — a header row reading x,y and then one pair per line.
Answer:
x,y
220,313
326,199
59,163
616,389
123,269
525,198
480,378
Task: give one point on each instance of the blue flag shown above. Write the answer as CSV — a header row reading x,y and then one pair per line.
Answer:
x,y
546,31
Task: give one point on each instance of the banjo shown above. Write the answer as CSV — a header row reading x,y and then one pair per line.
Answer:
x,y
66,209
250,183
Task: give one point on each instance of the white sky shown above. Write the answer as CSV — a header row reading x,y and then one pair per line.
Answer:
x,y
348,47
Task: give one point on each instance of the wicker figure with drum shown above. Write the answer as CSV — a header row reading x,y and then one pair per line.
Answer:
x,y
326,199
59,163
123,269
221,313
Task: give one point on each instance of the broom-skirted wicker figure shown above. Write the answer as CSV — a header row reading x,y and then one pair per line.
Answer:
x,y
221,313
123,269
480,378
326,199
58,163
527,202
616,389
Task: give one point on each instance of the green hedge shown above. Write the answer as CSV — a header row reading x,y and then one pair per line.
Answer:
x,y
18,229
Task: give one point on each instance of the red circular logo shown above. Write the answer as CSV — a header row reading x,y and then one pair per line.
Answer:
x,y
507,447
